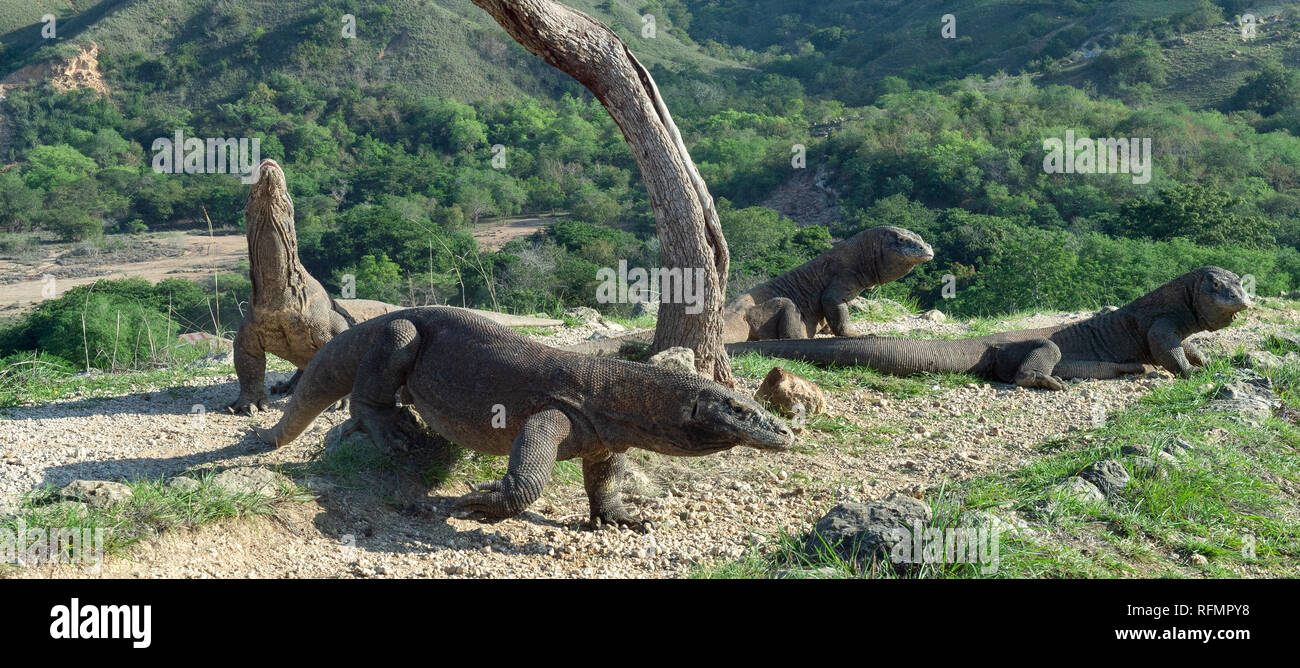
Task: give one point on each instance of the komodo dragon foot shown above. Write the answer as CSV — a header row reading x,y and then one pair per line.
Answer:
x,y
1040,380
618,518
393,427
247,405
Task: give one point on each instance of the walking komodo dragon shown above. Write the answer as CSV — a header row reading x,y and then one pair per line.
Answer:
x,y
292,315
484,387
1151,330
810,297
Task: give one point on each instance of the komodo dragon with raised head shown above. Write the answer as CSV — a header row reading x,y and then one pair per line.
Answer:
x,y
292,315
461,371
1151,330
810,297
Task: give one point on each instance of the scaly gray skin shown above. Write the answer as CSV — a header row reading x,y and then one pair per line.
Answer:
x,y
1149,331
460,371
809,298
292,315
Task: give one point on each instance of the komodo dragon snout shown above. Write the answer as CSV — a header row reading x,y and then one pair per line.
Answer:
x,y
721,419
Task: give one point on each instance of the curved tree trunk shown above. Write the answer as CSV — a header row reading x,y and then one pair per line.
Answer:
x,y
689,232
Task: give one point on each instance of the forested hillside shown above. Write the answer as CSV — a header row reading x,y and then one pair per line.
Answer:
x,y
399,141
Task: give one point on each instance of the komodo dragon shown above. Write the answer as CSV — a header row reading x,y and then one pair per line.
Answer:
x,y
814,295
292,316
484,387
1151,330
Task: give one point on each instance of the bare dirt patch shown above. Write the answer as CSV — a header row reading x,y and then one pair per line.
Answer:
x,y
190,256
492,235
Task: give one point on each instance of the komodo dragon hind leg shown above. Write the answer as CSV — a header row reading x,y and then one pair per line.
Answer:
x,y
776,318
1033,362
380,373
604,483
532,457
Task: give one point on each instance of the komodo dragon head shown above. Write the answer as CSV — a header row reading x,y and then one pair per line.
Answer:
x,y
896,251
268,201
1217,296
693,416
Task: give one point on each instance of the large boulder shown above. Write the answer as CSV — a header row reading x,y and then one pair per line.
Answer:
x,y
677,357
866,532
791,395
1107,475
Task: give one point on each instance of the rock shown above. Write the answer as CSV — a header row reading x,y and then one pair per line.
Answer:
x,y
1262,359
185,484
1141,450
250,480
859,304
1252,400
1107,309
934,315
677,357
645,308
1199,560
864,532
97,493
1080,490
787,393
584,315
1108,475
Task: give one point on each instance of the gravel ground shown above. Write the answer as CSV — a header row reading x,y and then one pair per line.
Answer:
x,y
392,525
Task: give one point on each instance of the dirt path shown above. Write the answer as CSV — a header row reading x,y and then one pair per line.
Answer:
x,y
493,234
198,253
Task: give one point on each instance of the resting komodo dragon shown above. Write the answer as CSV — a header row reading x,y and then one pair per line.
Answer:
x,y
292,315
461,371
1151,330
810,297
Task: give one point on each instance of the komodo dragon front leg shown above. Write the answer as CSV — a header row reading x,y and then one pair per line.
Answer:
x,y
1168,350
250,367
604,482
532,457
835,304
381,372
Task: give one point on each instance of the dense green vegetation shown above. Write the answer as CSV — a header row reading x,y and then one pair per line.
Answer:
x,y
393,145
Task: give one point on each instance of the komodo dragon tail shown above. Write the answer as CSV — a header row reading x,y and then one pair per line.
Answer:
x,y
889,355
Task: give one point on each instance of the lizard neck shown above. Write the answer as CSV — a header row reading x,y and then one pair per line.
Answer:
x,y
277,274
